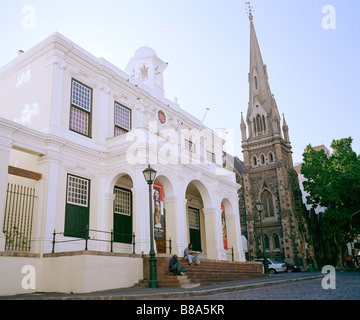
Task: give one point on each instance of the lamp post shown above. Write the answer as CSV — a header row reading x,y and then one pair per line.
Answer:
x,y
260,208
150,174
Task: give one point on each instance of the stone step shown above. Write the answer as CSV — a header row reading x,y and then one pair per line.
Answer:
x,y
208,272
171,282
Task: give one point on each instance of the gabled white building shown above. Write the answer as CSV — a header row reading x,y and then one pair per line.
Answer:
x,y
76,133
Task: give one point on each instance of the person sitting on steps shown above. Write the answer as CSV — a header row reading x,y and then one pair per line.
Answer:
x,y
189,255
175,266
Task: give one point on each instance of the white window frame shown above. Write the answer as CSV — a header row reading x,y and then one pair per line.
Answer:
x,y
194,218
122,119
78,191
122,200
80,109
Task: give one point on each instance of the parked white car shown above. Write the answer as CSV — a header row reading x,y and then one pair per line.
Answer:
x,y
273,266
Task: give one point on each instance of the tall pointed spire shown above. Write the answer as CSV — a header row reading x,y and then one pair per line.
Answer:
x,y
258,74
261,101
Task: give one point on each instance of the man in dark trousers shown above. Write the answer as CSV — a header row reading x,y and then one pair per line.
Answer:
x,y
175,266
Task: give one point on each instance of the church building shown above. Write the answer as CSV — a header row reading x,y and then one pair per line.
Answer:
x,y
268,175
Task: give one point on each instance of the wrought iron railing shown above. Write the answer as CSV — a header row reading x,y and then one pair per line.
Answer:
x,y
18,217
230,252
161,248
86,238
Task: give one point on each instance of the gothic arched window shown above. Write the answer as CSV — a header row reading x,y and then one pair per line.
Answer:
x,y
271,157
276,241
259,123
262,159
264,123
254,161
266,199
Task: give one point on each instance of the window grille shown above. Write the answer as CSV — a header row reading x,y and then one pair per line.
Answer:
x,y
190,146
194,221
81,96
210,156
122,119
122,202
79,121
77,192
80,110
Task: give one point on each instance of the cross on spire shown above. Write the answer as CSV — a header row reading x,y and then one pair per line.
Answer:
x,y
249,9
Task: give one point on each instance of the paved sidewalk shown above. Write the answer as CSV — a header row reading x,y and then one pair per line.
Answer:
x,y
136,293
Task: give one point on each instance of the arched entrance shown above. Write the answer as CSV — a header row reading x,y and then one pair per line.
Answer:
x,y
197,198
123,210
164,215
231,233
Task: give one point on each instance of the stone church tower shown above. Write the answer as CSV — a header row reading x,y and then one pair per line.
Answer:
x,y
269,175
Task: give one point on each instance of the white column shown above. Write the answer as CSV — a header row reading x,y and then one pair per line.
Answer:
x,y
5,148
213,233
106,128
181,216
171,205
234,236
98,216
183,228
141,215
108,215
57,96
49,166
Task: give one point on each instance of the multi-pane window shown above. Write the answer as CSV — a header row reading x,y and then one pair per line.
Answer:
x,y
190,146
122,119
122,202
194,219
78,191
80,113
77,210
210,156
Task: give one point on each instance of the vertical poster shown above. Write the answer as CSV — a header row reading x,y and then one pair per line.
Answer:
x,y
158,212
223,223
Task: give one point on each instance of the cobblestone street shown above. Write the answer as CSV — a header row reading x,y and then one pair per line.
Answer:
x,y
347,288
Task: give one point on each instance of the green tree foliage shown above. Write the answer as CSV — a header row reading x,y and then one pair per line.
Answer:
x,y
334,183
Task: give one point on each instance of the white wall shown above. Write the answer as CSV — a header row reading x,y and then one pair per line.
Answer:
x,y
79,272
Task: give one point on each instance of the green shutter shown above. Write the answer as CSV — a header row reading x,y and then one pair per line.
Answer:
x,y
122,215
194,228
77,215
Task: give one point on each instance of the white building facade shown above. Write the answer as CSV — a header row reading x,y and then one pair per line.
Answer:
x,y
76,134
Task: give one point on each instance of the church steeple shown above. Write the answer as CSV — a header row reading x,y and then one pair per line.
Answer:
x,y
262,114
268,173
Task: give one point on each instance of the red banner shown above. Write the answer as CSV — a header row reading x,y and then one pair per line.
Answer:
x,y
223,223
159,219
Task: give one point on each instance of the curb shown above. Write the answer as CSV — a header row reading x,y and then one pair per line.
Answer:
x,y
188,294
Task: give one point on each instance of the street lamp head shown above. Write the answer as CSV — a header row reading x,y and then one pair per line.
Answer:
x,y
259,206
149,175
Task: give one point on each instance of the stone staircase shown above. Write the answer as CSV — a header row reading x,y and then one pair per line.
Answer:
x,y
208,272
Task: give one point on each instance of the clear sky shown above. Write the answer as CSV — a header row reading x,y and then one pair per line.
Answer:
x,y
312,54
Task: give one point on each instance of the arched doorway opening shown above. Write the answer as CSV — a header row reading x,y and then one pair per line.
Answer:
x,y
197,198
164,213
123,210
230,230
